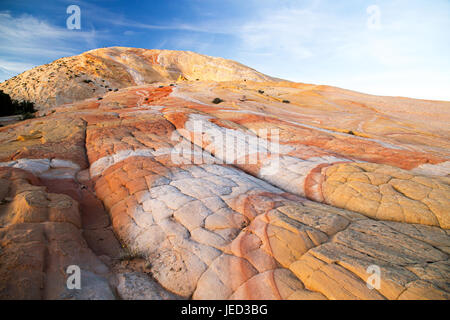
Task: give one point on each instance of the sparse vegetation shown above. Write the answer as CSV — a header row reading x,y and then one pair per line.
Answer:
x,y
286,101
261,91
130,254
28,115
217,101
10,107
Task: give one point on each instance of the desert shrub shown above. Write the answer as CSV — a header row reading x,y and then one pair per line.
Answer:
x,y
217,101
128,254
24,107
286,101
28,115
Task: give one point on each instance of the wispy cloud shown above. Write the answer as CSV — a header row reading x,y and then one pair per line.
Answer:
x,y
103,15
200,27
283,31
331,44
25,38
13,67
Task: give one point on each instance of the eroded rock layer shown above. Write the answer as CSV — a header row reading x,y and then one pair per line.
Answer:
x,y
96,72
312,190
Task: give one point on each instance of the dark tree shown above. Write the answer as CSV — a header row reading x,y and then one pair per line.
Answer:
x,y
6,105
9,107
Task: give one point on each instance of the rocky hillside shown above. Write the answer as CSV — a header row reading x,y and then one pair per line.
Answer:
x,y
96,72
224,189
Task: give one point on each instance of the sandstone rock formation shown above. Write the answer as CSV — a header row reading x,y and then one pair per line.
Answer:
x,y
315,186
96,72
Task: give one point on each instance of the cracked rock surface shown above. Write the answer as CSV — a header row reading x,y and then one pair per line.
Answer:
x,y
137,190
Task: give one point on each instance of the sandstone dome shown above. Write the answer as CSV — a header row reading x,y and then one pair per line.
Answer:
x,y
95,72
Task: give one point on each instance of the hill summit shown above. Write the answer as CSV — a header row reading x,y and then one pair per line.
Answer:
x,y
98,71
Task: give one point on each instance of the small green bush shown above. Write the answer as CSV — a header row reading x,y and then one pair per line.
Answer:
x,y
217,101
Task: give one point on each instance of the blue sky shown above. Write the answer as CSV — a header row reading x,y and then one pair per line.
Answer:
x,y
395,47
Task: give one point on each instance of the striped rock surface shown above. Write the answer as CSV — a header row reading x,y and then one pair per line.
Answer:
x,y
299,200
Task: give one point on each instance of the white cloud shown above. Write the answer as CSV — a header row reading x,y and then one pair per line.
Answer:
x,y
14,67
284,31
333,45
26,38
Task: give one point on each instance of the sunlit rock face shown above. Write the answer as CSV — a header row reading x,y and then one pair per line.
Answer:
x,y
280,191
96,72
